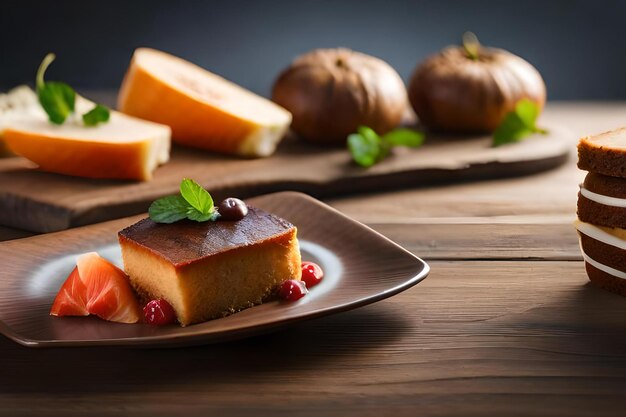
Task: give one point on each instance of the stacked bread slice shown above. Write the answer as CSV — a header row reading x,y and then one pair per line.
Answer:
x,y
601,220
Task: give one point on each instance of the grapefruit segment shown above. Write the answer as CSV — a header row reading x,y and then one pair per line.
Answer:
x,y
204,110
97,287
123,148
108,291
71,299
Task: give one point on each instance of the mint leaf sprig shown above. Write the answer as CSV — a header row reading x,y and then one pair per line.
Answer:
x,y
193,203
518,124
368,148
59,99
99,114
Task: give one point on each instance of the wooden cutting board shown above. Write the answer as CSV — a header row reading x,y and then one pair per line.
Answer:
x,y
43,202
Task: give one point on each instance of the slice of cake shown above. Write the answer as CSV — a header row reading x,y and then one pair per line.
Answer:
x,y
601,209
604,153
211,269
604,252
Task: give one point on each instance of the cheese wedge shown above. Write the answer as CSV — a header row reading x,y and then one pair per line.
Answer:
x,y
123,148
204,110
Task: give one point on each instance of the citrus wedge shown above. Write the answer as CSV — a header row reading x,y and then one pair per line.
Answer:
x,y
204,110
123,148
108,291
71,299
98,287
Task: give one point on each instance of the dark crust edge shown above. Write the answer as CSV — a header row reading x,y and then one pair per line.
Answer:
x,y
601,160
605,281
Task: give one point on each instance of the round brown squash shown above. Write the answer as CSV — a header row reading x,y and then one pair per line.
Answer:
x,y
331,92
470,89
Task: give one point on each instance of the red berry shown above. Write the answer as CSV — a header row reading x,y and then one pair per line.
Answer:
x,y
312,274
159,313
292,290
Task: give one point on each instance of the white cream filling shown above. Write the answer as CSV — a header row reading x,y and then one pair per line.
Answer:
x,y
599,234
603,199
604,268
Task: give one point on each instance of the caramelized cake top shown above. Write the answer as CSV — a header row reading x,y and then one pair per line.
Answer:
x,y
187,241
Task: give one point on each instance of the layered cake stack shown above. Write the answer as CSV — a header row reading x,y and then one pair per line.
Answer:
x,y
601,220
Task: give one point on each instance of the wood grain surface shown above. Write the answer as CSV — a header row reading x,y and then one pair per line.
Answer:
x,y
505,325
42,202
476,338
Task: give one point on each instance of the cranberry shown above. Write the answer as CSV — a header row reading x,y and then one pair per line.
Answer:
x,y
312,274
232,209
292,290
159,313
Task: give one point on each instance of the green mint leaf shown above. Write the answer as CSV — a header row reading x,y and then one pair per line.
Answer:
x,y
365,150
404,137
169,209
368,132
195,215
99,114
374,138
196,196
193,203
57,99
504,136
512,129
518,124
368,148
527,111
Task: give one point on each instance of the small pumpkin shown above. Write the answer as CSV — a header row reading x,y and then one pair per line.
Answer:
x,y
331,92
470,89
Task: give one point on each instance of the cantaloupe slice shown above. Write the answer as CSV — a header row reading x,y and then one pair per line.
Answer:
x,y
204,110
15,103
123,148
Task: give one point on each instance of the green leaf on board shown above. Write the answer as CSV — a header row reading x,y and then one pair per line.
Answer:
x,y
518,124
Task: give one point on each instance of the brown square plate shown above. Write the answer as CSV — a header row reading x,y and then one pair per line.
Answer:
x,y
360,265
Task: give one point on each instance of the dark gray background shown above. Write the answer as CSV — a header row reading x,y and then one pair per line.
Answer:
x,y
578,46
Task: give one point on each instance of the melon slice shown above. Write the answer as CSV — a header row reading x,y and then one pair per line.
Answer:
x,y
204,110
14,104
123,148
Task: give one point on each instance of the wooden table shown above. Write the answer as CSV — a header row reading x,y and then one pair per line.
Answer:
x,y
506,324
